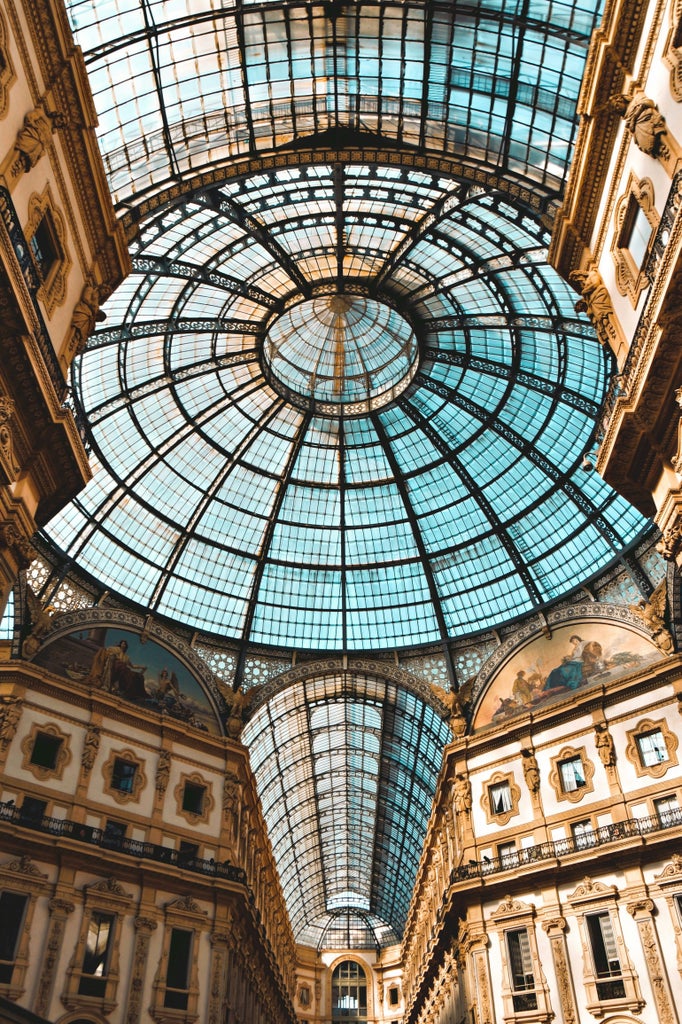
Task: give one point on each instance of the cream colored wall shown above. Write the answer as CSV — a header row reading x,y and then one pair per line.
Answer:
x,y
231,919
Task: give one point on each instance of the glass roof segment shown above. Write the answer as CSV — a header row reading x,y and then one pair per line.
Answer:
x,y
377,474
346,767
341,402
494,82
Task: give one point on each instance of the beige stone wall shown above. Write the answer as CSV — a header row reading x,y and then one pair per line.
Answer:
x,y
225,893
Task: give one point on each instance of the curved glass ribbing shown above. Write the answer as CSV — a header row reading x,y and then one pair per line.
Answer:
x,y
219,502
346,767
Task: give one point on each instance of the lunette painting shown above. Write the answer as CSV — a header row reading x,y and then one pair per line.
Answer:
x,y
583,653
120,662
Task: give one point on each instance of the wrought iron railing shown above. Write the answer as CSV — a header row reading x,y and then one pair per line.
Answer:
x,y
604,835
63,828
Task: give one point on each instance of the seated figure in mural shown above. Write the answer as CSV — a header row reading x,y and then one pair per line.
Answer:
x,y
113,670
582,661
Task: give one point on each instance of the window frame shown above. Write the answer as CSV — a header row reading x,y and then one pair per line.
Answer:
x,y
593,899
105,899
500,779
181,914
514,917
139,779
556,778
42,211
644,727
62,757
197,780
89,978
638,199
8,964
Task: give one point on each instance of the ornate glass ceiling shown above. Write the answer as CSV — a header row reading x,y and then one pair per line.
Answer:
x,y
346,766
360,426
341,403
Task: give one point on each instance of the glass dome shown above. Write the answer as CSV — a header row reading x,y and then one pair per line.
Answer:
x,y
342,401
281,461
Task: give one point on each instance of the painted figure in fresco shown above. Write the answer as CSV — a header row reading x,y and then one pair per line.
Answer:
x,y
113,670
569,673
582,661
526,689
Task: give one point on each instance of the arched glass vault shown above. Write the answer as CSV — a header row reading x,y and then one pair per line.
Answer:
x,y
346,764
342,401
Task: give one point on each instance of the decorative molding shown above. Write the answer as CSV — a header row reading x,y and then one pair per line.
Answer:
x,y
672,51
649,725
144,926
7,75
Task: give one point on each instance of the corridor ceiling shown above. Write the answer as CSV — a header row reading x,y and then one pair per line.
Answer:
x,y
342,401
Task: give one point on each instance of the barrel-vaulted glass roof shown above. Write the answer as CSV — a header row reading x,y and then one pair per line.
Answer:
x,y
346,766
342,401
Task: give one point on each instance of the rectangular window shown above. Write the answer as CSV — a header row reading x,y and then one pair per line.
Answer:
x,y
508,855
114,834
45,750
187,853
123,775
193,798
500,798
32,811
572,774
668,811
605,956
96,958
177,975
12,914
637,232
583,834
521,970
45,247
652,748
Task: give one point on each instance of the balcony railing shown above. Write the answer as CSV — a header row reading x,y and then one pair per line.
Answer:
x,y
63,828
602,836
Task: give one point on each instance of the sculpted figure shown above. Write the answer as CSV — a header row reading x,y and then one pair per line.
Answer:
x,y
531,771
10,713
605,747
596,301
462,795
33,138
646,124
652,613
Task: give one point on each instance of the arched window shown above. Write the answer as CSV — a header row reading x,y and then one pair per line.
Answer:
x,y
349,992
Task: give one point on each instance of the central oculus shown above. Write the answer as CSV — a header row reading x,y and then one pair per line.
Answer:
x,y
341,353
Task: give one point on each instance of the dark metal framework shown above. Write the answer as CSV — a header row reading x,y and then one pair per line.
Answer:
x,y
266,153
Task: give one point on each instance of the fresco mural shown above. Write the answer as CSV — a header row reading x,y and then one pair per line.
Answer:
x,y
580,654
118,661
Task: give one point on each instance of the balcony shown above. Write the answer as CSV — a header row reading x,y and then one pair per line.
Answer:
x,y
605,835
62,828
